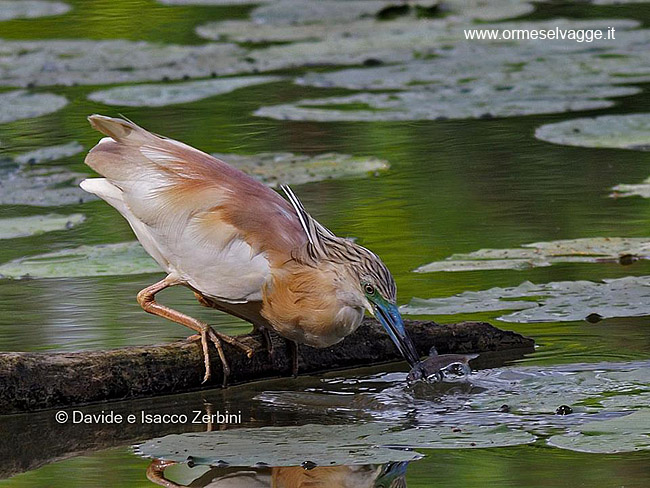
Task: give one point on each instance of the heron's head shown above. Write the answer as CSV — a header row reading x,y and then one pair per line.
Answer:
x,y
377,287
365,278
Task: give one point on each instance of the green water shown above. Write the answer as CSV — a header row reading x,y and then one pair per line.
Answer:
x,y
453,186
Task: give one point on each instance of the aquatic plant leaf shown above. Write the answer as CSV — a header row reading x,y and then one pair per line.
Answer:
x,y
37,224
41,186
30,9
277,168
448,103
442,74
102,260
630,131
623,434
531,394
302,12
560,301
50,153
90,62
464,436
212,2
20,104
324,445
537,254
314,13
160,95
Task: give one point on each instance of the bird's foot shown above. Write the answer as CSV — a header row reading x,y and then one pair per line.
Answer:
x,y
205,337
233,341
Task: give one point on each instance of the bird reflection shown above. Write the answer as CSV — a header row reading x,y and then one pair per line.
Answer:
x,y
391,475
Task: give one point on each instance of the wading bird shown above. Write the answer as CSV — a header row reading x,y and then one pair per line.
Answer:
x,y
238,245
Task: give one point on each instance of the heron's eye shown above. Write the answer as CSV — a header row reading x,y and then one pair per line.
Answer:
x,y
369,289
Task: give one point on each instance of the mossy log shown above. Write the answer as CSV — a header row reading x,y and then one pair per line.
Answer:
x,y
38,381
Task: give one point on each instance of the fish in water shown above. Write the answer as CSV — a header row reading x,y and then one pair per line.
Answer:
x,y
437,367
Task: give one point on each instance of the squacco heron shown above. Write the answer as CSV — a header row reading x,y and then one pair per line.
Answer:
x,y
238,245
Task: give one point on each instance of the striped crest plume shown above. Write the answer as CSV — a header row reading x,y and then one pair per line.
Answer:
x,y
324,245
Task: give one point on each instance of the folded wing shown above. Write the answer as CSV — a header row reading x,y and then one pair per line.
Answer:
x,y
215,227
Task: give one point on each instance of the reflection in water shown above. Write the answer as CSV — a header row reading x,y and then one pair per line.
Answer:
x,y
390,475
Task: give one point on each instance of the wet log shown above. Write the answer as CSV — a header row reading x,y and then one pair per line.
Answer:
x,y
38,381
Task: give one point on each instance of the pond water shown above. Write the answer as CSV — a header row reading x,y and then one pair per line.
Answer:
x,y
453,186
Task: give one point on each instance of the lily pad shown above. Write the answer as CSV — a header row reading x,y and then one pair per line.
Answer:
x,y
37,224
124,258
51,153
212,2
30,9
531,394
445,104
624,434
288,168
19,104
296,12
323,445
41,186
160,95
68,62
469,436
561,301
445,76
538,254
611,131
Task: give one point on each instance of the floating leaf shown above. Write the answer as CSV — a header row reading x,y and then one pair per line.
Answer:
x,y
276,168
586,250
161,95
532,395
51,153
37,224
612,131
443,104
41,186
468,436
296,12
559,301
30,9
323,445
68,62
19,104
443,75
102,260
212,2
624,434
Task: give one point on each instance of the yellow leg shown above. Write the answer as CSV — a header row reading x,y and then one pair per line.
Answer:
x,y
146,299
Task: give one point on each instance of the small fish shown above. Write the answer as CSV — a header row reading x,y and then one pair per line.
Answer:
x,y
437,367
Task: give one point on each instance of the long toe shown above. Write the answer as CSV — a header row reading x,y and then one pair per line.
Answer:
x,y
216,340
193,338
233,341
206,361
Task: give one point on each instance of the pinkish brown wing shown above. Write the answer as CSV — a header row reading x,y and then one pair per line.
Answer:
x,y
214,226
